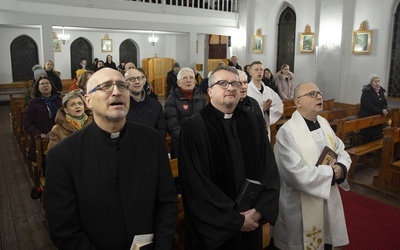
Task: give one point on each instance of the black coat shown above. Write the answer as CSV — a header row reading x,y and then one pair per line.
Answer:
x,y
214,160
372,104
178,108
148,112
101,192
37,120
172,80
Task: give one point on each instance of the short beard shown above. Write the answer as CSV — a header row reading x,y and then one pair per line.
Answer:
x,y
117,116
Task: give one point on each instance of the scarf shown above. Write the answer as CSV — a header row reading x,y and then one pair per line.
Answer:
x,y
376,89
188,95
51,106
77,123
312,207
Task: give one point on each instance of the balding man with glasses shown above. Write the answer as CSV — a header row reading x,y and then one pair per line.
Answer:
x,y
220,147
143,109
110,182
310,208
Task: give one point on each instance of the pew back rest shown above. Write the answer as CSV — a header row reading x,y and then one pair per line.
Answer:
x,y
346,126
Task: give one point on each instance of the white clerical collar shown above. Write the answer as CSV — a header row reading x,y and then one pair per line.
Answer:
x,y
228,116
114,135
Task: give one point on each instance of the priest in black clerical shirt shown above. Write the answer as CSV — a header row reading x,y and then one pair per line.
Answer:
x,y
221,147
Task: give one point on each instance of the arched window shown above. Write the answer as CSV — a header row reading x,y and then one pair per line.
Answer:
x,y
128,51
286,39
80,48
394,74
24,55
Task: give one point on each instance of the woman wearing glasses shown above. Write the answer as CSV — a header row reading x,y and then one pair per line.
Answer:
x,y
184,101
39,115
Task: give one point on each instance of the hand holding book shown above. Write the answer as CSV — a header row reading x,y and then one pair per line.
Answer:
x,y
327,157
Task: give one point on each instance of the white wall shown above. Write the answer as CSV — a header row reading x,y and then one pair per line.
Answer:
x,y
333,67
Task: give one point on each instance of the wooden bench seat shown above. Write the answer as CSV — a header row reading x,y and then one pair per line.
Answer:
x,y
361,150
15,88
348,127
388,179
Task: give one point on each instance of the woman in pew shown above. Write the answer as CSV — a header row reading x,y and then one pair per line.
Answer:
x,y
70,118
373,102
41,111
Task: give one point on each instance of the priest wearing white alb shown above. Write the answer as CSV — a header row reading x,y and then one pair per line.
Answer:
x,y
270,103
311,213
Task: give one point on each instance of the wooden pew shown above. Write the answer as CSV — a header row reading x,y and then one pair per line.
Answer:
x,y
66,84
15,88
388,179
41,153
346,127
15,104
333,116
178,241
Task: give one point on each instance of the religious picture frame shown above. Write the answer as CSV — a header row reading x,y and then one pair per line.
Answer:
x,y
106,45
56,45
307,43
258,44
362,42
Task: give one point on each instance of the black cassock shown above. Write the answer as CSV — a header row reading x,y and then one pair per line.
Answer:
x,y
217,155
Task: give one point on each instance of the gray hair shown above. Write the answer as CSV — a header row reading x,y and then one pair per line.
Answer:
x,y
71,95
186,69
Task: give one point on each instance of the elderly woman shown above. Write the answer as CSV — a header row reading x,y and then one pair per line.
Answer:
x,y
285,82
39,115
184,101
70,118
373,102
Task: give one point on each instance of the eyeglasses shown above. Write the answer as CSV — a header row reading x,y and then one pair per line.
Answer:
x,y
186,78
133,79
109,86
44,83
225,84
313,94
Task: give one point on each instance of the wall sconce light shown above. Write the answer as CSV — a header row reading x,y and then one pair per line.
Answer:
x,y
64,38
153,39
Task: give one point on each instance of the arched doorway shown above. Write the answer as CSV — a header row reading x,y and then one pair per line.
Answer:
x,y
80,48
24,55
128,51
394,74
286,39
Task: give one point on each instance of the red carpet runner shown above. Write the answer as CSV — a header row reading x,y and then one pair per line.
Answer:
x,y
370,224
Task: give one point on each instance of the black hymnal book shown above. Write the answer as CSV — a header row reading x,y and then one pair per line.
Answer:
x,y
248,195
326,157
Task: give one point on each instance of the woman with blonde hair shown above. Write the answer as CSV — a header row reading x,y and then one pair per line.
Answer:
x,y
70,118
285,82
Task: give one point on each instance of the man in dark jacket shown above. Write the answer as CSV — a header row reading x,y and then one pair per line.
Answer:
x,y
184,101
143,109
110,182
172,78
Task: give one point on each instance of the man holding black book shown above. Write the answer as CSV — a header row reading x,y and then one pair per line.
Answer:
x,y
221,147
312,164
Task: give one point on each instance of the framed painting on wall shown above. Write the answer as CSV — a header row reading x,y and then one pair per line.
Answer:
x,y
56,45
258,44
307,43
362,42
